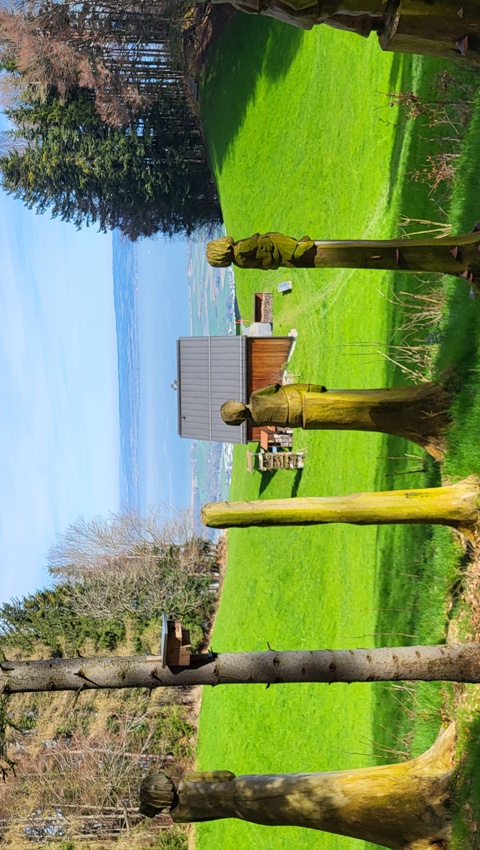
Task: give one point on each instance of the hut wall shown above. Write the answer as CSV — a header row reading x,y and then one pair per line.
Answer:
x,y
266,358
214,369
210,371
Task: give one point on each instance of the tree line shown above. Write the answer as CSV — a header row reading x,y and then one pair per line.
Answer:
x,y
72,763
114,575
49,794
103,131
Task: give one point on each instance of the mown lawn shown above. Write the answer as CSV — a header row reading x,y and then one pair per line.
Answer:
x,y
304,139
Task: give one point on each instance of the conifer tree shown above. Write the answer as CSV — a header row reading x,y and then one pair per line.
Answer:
x,y
149,176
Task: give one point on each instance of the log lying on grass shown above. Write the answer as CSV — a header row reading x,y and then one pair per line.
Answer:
x,y
391,664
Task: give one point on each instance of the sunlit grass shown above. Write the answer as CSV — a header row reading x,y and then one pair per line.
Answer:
x,y
303,140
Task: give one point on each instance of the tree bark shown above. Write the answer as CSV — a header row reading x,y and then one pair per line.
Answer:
x,y
456,505
416,413
407,663
401,806
457,255
435,29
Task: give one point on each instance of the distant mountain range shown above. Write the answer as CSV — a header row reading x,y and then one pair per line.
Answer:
x,y
212,311
125,292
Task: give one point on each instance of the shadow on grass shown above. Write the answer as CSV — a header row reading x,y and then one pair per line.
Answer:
x,y
412,600
466,200
400,72
460,324
463,323
425,137
411,593
267,478
249,46
296,482
411,611
401,79
461,327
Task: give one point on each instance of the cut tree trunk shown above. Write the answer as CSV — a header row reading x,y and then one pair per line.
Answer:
x,y
446,30
449,254
457,255
416,413
404,663
455,505
402,806
426,27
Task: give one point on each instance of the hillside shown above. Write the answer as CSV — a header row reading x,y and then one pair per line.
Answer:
x,y
322,133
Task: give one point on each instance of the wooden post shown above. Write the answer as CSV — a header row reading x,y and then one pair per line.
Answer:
x,y
456,255
445,29
455,505
398,805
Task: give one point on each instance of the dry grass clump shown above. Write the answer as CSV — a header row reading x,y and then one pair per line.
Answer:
x,y
79,760
417,339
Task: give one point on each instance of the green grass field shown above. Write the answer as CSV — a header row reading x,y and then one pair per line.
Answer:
x,y
303,139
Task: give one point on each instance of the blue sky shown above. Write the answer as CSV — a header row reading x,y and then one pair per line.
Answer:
x,y
59,429
59,441
163,317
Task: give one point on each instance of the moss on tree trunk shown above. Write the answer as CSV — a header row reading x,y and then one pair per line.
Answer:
x,y
457,255
401,806
417,413
455,505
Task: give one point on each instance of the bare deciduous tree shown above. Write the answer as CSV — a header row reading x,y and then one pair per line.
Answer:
x,y
120,51
127,563
88,545
81,785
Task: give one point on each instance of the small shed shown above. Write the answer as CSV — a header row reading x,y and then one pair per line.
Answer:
x,y
213,369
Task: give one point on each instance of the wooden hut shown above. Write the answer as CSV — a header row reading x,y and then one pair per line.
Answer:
x,y
213,369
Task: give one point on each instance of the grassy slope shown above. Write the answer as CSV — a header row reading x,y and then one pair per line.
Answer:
x,y
302,140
